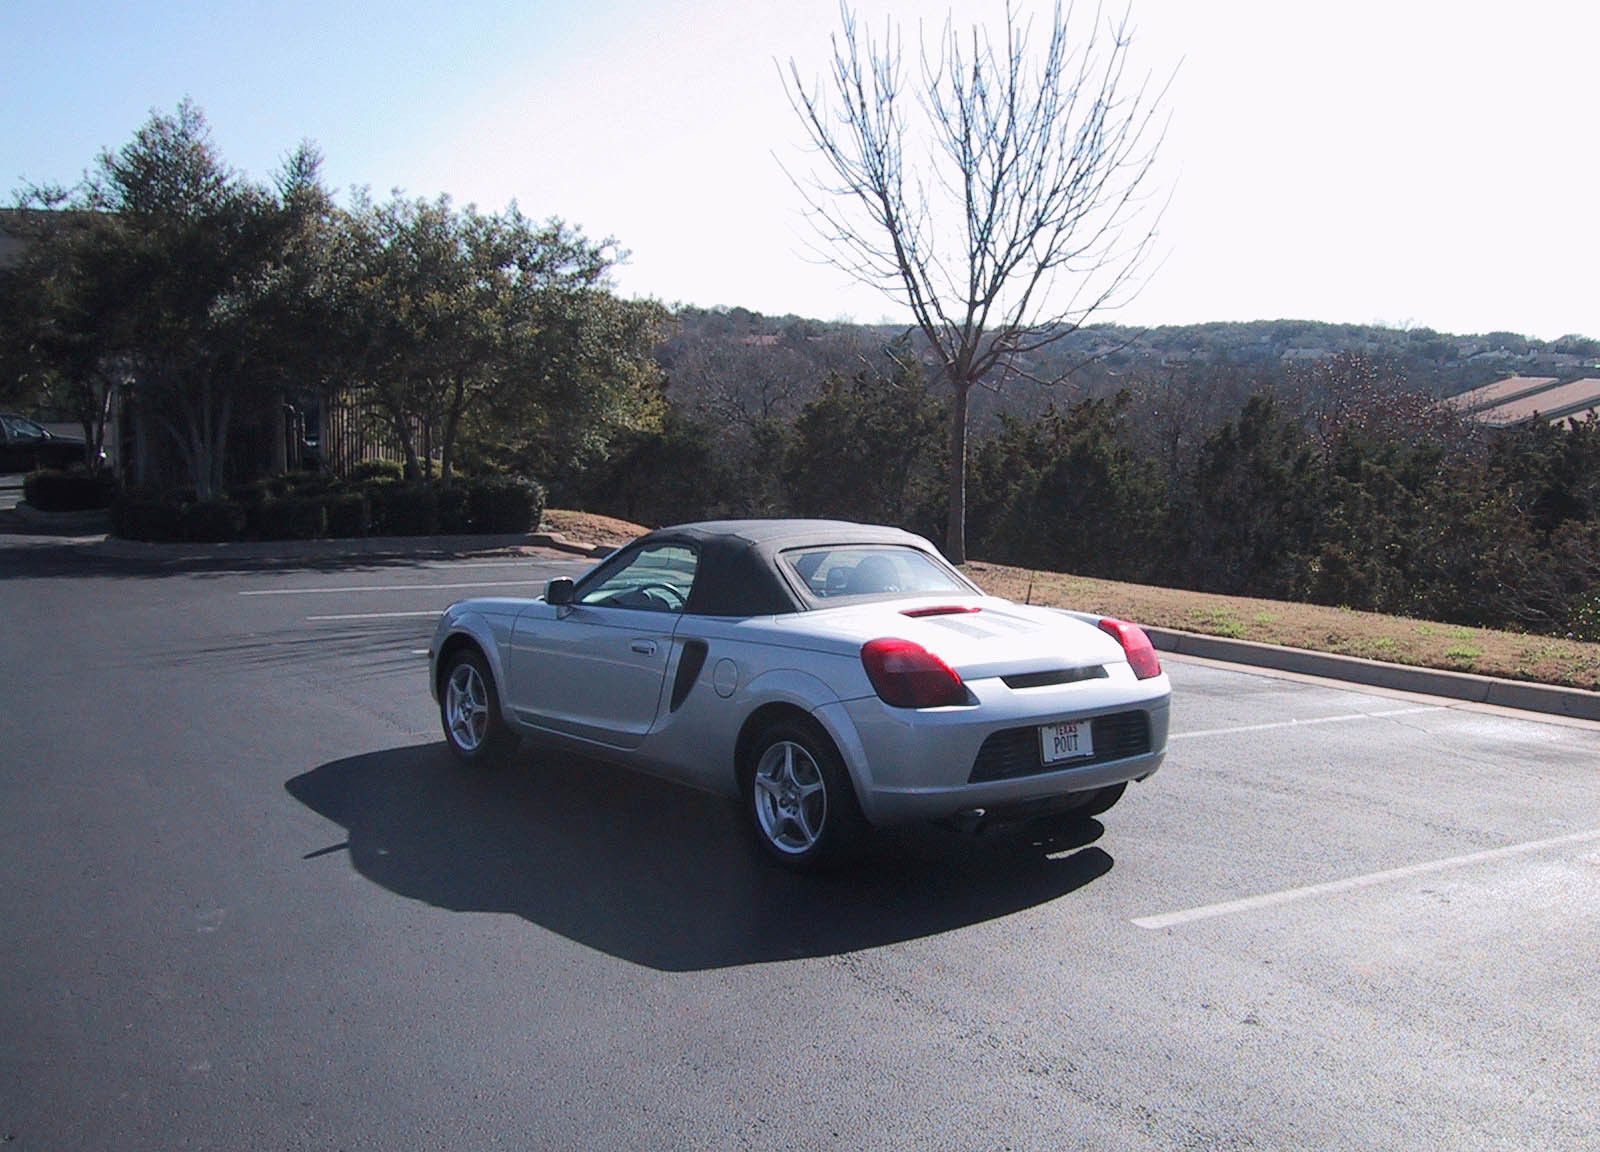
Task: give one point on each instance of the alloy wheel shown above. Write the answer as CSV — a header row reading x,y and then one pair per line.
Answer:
x,y
791,798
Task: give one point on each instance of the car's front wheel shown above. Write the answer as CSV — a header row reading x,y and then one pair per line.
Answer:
x,y
799,797
469,710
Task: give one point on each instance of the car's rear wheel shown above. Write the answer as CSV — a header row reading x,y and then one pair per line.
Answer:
x,y
469,710
799,797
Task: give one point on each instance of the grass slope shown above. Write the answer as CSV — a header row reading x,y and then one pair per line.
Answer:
x,y
1396,639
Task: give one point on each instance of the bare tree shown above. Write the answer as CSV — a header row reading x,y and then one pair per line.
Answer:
x,y
1003,197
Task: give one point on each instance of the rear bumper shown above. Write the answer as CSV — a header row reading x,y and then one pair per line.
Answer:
x,y
911,765
903,805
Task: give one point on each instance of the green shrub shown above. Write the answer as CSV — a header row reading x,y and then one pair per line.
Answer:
x,y
293,518
455,518
306,484
146,516
253,493
212,521
376,470
346,513
250,498
403,509
1583,620
504,503
52,491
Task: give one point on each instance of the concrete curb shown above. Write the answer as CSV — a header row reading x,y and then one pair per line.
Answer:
x,y
1577,703
115,548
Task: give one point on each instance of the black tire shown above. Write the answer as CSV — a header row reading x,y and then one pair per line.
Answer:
x,y
469,711
799,798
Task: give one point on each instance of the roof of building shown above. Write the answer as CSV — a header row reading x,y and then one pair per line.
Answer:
x,y
1575,398
1499,392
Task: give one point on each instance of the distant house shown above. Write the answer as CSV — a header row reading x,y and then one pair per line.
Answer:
x,y
1521,399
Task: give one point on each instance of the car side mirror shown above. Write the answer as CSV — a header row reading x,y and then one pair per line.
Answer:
x,y
559,592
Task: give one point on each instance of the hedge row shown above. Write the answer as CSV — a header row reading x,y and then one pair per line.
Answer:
x,y
312,509
53,491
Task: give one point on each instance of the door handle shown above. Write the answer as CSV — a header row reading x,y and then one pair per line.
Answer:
x,y
643,647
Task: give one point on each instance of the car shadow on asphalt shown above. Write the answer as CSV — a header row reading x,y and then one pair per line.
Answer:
x,y
660,875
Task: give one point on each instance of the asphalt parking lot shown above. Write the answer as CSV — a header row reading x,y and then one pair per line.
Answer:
x,y
251,904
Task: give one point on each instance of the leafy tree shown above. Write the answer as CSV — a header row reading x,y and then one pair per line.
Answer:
x,y
1246,523
307,353
422,313
61,318
168,269
1085,500
868,448
463,323
1003,473
581,374
1001,197
659,476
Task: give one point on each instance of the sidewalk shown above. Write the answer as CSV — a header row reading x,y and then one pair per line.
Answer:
x,y
88,531
83,533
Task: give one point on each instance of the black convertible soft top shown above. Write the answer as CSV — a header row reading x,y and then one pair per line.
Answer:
x,y
737,572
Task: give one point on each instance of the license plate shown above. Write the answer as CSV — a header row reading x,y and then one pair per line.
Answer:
x,y
1073,740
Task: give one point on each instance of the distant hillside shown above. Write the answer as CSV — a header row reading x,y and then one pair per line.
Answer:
x,y
776,362
1438,363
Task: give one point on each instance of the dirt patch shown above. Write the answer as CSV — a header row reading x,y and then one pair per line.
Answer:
x,y
590,528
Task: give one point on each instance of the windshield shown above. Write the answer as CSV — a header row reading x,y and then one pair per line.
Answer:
x,y
836,572
22,429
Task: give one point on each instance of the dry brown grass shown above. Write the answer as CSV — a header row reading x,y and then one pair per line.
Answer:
x,y
590,528
1512,655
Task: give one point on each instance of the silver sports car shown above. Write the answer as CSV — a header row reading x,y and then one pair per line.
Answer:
x,y
833,676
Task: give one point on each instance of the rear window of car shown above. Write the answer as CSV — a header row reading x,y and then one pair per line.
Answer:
x,y
838,572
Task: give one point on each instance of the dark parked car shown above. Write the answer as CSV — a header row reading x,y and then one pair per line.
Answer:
x,y
26,445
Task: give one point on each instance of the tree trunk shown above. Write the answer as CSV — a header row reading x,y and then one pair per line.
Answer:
x,y
452,426
955,538
200,438
280,436
408,443
141,444
218,448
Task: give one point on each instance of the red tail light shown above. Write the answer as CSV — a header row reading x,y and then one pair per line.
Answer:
x,y
1142,656
907,675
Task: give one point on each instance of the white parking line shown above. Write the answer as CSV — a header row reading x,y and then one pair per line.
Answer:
x,y
1273,899
375,615
1270,725
395,588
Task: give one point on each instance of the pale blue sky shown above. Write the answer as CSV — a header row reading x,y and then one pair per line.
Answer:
x,y
1397,161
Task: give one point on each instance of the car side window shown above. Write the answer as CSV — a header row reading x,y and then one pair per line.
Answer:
x,y
654,579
